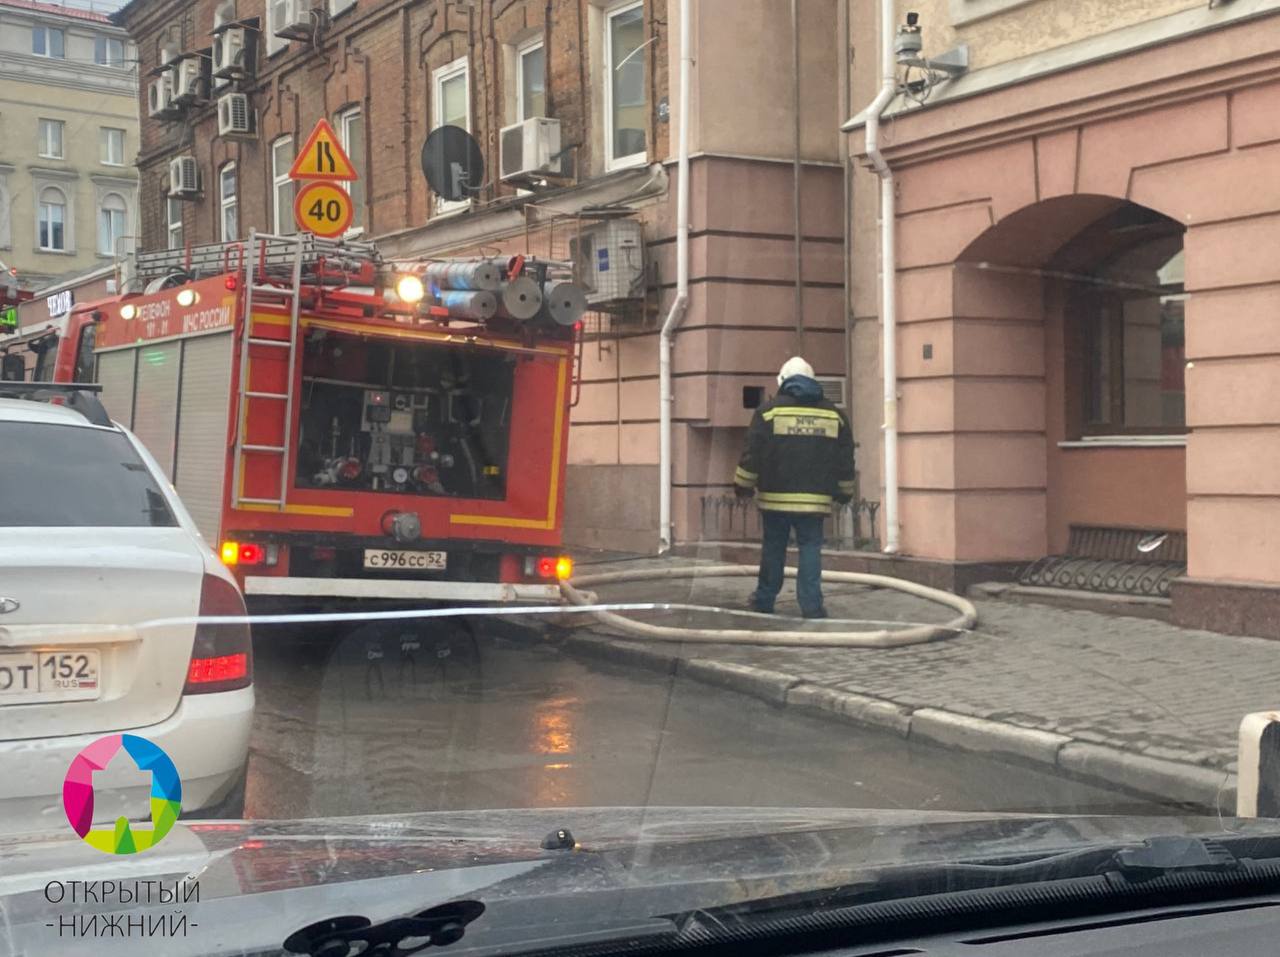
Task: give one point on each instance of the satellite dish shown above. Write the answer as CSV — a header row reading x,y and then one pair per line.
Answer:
x,y
452,163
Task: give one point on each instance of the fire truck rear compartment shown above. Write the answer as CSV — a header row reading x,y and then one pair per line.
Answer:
x,y
406,418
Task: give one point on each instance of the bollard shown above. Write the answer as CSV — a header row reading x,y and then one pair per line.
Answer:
x,y
1258,776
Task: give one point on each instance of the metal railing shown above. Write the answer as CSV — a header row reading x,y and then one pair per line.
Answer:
x,y
727,518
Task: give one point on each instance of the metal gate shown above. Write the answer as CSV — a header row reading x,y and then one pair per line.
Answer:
x,y
200,470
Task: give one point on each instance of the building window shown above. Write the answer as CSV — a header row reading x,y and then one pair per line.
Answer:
x,y
1125,317
111,142
531,85
50,138
173,214
47,41
108,51
338,6
451,106
282,186
624,108
111,224
228,203
351,129
51,222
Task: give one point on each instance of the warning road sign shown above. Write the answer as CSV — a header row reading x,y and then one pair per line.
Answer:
x,y
322,157
323,209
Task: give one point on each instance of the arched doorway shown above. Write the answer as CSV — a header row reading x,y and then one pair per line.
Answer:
x,y
1100,333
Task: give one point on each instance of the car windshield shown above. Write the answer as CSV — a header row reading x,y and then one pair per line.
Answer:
x,y
494,451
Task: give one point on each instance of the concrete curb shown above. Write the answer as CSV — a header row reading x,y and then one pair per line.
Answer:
x,y
1172,781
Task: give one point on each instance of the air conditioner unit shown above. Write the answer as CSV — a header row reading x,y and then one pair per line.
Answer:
x,y
291,19
160,97
236,117
189,86
608,261
184,177
232,53
155,96
529,149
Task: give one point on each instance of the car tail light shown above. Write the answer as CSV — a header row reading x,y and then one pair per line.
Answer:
x,y
222,655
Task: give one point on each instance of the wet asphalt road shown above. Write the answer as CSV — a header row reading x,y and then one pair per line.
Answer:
x,y
378,721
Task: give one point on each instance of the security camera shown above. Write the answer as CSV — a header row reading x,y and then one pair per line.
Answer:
x,y
910,41
913,19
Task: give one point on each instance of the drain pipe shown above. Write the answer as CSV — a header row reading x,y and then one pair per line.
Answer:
x,y
888,273
666,396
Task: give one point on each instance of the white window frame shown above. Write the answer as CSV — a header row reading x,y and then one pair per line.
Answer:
x,y
106,42
340,6
41,189
226,202
42,140
172,225
459,67
47,31
344,136
280,177
124,221
632,159
104,145
523,50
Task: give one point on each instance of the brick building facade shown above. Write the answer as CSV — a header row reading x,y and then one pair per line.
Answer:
x,y
599,67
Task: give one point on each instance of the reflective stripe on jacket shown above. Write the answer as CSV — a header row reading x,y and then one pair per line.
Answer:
x,y
799,452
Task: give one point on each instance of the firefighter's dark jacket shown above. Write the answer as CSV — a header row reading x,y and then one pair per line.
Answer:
x,y
799,453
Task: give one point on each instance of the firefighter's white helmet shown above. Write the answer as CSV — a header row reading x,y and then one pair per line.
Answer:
x,y
794,366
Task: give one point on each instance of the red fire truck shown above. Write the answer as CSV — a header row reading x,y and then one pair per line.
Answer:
x,y
345,428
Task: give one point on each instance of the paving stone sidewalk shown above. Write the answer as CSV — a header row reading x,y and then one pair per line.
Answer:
x,y
1130,701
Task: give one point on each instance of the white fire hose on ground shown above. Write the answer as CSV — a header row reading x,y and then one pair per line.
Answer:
x,y
913,634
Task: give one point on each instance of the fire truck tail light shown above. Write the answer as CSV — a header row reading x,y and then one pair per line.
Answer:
x,y
560,568
231,283
222,653
230,553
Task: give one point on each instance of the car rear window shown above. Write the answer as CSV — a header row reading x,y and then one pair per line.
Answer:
x,y
66,475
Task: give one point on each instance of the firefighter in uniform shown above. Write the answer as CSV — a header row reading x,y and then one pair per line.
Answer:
x,y
798,460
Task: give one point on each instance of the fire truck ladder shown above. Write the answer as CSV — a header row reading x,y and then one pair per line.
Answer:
x,y
259,251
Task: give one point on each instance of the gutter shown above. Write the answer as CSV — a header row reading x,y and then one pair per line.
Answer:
x,y
888,274
666,398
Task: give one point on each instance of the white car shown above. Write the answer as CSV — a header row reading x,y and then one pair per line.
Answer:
x,y
94,545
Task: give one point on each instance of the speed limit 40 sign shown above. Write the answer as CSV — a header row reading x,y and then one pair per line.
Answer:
x,y
323,208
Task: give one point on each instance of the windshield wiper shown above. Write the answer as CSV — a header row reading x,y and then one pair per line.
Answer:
x,y
1096,879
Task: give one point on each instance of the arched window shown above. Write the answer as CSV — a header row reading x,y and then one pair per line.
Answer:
x,y
51,220
113,218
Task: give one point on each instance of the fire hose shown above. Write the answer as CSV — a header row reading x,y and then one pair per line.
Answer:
x,y
912,634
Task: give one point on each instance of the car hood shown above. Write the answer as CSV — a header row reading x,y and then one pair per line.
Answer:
x,y
259,881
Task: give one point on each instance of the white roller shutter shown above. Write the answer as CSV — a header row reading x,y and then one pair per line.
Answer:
x,y
115,375
155,406
202,429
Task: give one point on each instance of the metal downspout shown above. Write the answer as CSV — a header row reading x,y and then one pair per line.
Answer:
x,y
888,275
666,397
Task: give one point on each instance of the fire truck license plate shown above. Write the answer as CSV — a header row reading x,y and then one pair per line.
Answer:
x,y
40,676
410,561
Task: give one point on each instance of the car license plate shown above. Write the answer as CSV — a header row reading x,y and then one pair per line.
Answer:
x,y
409,561
35,677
